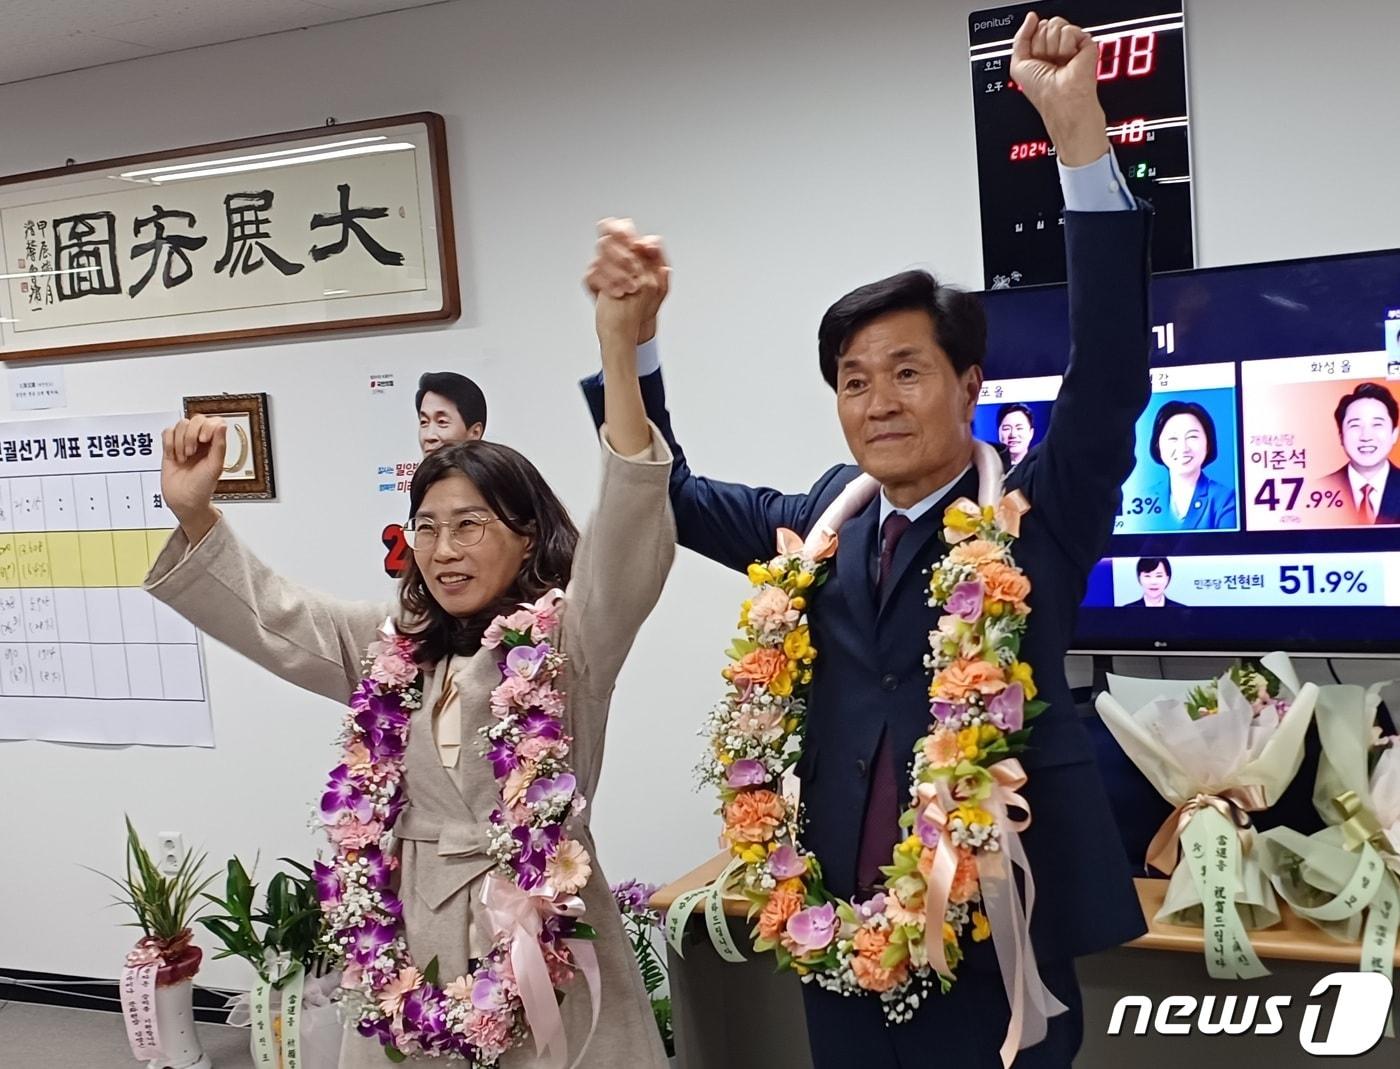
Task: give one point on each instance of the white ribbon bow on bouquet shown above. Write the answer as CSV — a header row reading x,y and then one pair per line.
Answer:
x,y
1215,770
1346,878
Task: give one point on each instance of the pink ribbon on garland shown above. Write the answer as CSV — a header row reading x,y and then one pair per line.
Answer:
x,y
940,878
1031,1002
513,913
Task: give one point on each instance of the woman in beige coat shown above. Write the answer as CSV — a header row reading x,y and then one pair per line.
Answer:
x,y
488,534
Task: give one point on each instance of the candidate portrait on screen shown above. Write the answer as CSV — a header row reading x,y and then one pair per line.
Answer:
x,y
1154,575
1015,430
1369,481
1184,442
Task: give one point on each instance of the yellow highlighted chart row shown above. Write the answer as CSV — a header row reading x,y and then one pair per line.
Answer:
x,y
78,558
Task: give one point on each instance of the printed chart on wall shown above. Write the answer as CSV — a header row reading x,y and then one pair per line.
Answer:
x,y
86,655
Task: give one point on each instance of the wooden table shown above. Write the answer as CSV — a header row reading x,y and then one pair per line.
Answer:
x,y
1293,939
709,996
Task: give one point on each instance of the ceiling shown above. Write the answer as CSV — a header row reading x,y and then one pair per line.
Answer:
x,y
52,36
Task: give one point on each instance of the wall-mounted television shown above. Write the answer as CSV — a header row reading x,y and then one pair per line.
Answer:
x,y
1264,509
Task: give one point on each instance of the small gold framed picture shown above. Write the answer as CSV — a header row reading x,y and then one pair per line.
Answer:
x,y
247,474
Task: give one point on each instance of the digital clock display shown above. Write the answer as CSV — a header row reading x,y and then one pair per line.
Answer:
x,y
1131,57
1031,150
1142,85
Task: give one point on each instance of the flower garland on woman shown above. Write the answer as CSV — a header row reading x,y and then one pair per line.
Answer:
x,y
965,774
482,1015
460,879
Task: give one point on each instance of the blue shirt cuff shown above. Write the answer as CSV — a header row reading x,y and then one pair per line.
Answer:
x,y
1096,187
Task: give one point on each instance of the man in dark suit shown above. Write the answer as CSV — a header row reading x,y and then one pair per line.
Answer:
x,y
904,358
1368,427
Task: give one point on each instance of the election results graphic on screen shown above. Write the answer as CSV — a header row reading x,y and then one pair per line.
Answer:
x,y
1263,508
1322,442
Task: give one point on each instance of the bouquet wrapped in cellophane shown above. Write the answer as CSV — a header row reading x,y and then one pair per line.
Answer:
x,y
1217,750
1346,878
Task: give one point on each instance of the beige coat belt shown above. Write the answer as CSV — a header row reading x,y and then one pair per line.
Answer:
x,y
461,850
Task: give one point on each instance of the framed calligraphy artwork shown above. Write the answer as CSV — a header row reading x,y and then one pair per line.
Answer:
x,y
337,227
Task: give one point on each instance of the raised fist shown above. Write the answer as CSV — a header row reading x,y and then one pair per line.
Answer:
x,y
1056,65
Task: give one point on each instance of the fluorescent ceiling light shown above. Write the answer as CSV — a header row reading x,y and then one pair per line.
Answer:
x,y
247,159
263,165
40,274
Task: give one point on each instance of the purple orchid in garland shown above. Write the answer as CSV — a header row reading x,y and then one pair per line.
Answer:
x,y
364,691
812,929
536,845
746,772
965,602
633,896
388,708
784,863
396,806
327,885
526,661
540,725
383,734
375,1028
872,907
943,711
342,797
425,1011
376,867
927,830
370,940
529,870
503,759
546,791
1008,709
488,993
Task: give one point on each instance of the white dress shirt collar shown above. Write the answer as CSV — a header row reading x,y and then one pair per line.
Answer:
x,y
917,510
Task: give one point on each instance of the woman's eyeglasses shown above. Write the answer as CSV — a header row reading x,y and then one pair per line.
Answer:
x,y
462,533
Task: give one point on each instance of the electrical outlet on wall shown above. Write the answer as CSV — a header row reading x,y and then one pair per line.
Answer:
x,y
170,849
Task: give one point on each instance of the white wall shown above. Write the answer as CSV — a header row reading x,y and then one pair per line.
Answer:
x,y
788,150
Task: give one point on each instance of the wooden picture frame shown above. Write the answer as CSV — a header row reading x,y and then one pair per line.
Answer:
x,y
248,475
331,228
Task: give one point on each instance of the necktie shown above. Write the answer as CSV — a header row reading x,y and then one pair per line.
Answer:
x,y
896,523
1368,511
880,828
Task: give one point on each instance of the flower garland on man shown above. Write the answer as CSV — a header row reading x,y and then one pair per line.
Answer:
x,y
903,357
895,941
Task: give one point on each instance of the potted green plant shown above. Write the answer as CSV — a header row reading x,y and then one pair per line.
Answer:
x,y
281,940
158,979
641,923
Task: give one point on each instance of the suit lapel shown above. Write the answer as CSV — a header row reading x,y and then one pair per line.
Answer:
x,y
927,529
855,550
433,785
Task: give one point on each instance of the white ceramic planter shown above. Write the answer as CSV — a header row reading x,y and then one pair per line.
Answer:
x,y
179,1042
